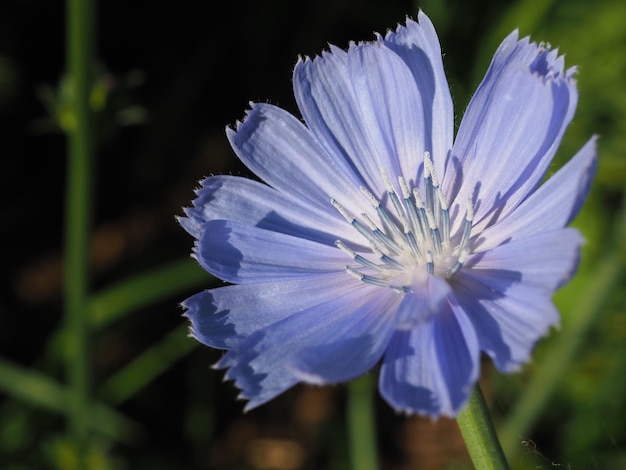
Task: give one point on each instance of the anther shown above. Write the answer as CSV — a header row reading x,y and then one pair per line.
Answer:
x,y
373,200
367,278
342,210
358,258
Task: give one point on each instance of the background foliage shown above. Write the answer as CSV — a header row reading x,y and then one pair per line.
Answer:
x,y
170,76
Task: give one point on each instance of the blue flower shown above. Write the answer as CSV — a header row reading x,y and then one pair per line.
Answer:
x,y
380,238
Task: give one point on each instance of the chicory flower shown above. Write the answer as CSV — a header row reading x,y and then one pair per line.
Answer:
x,y
379,237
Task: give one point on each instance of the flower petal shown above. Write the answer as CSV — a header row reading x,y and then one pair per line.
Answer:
x,y
281,151
509,323
417,44
223,317
390,108
330,342
511,130
431,368
242,254
323,91
553,205
364,107
544,261
423,300
250,202
506,292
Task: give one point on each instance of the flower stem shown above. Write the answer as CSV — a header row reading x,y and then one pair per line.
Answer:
x,y
479,434
361,424
80,39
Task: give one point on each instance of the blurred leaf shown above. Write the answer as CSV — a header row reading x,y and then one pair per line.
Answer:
x,y
144,289
38,389
589,304
146,367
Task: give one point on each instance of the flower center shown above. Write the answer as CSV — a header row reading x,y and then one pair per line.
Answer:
x,y
416,234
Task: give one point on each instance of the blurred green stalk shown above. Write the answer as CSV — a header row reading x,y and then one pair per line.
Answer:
x,y
80,44
608,274
479,434
361,424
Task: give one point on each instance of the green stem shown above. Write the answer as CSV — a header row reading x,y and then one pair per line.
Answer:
x,y
361,424
80,40
479,434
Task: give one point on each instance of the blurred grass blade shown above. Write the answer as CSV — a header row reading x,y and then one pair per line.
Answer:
x,y
38,389
149,365
129,295
105,308
607,275
557,360
125,297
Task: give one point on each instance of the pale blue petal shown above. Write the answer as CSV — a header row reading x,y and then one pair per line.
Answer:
x,y
281,151
390,108
432,368
544,261
250,202
509,323
352,345
511,130
242,254
324,94
410,378
506,292
223,317
417,44
330,342
553,205
329,90
458,352
424,299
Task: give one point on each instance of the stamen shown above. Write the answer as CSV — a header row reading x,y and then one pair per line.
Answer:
x,y
381,236
434,233
375,202
358,258
469,216
382,212
459,264
367,278
388,261
428,186
400,289
389,223
409,207
445,221
413,244
421,213
430,265
394,197
342,210
432,189
423,241
428,163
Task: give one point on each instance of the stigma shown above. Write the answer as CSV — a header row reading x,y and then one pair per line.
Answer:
x,y
412,232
